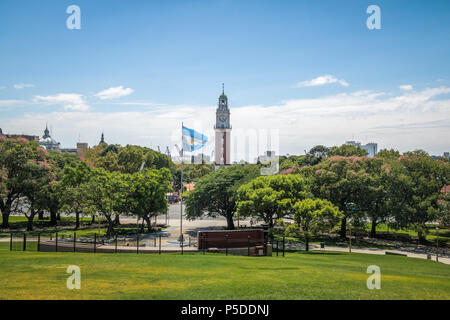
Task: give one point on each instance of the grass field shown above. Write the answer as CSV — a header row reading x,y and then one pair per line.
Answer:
x,y
39,275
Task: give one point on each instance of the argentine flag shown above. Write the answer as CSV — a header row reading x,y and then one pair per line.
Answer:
x,y
193,140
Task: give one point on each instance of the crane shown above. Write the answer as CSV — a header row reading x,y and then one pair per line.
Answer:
x,y
159,149
178,149
168,152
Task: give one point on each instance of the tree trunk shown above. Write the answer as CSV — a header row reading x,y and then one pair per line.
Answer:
x,y
93,219
77,220
41,215
307,243
230,223
58,216
5,214
110,230
117,220
30,220
421,236
52,217
5,217
148,222
343,232
373,231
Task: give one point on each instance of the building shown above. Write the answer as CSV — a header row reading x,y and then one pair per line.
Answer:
x,y
270,162
48,142
200,158
102,139
68,150
371,148
223,131
15,136
447,155
82,147
268,156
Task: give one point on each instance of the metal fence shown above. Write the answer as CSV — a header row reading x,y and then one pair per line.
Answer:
x,y
143,243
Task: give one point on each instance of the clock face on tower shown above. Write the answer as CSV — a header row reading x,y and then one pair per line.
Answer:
x,y
223,118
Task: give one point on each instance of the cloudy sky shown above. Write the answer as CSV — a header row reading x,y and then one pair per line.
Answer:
x,y
302,72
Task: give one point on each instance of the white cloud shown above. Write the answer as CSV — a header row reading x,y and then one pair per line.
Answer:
x,y
12,103
406,87
23,85
140,103
2,88
405,121
114,92
322,80
70,101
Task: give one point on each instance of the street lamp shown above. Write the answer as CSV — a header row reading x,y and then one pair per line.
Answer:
x,y
350,238
437,244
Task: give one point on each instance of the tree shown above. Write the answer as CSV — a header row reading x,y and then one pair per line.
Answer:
x,y
386,154
215,193
415,185
75,196
314,216
127,159
286,164
130,159
443,212
21,163
148,195
339,180
316,154
271,197
373,195
102,190
38,177
347,151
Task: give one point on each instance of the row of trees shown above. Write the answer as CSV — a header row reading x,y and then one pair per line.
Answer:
x,y
404,191
33,181
338,184
127,159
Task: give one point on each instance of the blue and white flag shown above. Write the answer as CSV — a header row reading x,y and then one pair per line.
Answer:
x,y
193,140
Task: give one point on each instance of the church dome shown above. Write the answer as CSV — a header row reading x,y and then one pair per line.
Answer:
x,y
48,142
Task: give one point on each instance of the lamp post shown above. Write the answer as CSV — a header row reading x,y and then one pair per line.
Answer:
x,y
350,238
437,244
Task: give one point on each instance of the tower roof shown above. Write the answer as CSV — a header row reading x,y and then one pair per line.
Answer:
x,y
46,132
223,95
102,139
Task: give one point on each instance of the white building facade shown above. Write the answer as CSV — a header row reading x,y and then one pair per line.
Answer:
x,y
371,147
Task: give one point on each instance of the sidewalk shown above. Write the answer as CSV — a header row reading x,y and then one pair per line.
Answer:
x,y
409,254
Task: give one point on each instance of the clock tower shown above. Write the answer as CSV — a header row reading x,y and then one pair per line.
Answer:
x,y
223,130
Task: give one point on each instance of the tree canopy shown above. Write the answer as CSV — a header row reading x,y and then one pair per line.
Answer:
x,y
271,197
215,193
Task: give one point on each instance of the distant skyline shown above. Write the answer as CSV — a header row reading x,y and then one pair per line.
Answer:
x,y
312,70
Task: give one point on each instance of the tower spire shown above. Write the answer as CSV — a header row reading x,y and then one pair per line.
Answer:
x,y
46,132
223,88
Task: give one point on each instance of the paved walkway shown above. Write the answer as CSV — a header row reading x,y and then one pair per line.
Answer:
x,y
409,254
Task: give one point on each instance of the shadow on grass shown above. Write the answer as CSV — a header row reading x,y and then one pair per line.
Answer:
x,y
328,253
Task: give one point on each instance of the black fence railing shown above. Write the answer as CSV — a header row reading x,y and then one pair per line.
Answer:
x,y
144,244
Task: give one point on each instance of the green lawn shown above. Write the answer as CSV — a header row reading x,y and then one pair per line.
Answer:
x,y
39,275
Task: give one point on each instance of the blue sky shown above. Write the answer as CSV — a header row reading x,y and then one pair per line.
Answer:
x,y
174,55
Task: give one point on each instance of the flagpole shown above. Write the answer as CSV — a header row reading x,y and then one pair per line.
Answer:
x,y
181,189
